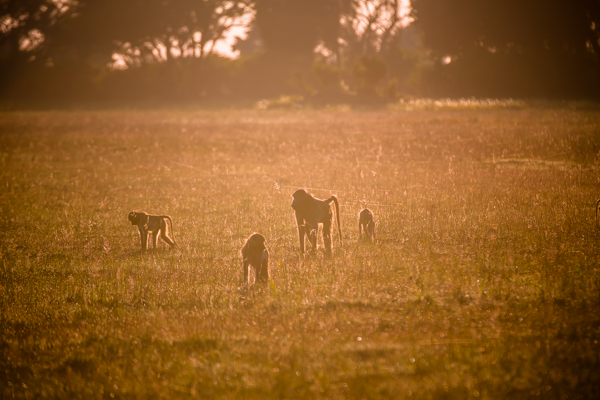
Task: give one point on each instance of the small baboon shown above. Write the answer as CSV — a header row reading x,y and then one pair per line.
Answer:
x,y
256,254
598,213
310,212
147,223
366,223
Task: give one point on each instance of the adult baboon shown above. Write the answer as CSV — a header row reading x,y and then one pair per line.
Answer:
x,y
147,223
256,254
366,223
310,212
598,213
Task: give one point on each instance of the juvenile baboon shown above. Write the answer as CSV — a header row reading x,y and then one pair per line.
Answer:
x,y
366,223
598,213
256,254
147,223
310,212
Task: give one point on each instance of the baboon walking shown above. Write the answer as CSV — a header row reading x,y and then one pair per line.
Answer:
x,y
310,212
147,223
256,254
366,223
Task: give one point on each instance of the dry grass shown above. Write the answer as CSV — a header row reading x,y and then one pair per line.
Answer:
x,y
485,282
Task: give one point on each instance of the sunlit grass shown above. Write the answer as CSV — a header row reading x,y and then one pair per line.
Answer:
x,y
457,104
484,281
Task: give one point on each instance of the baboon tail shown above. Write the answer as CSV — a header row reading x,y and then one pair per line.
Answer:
x,y
337,213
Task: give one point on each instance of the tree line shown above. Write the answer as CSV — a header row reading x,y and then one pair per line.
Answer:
x,y
324,50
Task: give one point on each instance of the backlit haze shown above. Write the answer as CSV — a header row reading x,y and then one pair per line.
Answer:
x,y
241,26
240,30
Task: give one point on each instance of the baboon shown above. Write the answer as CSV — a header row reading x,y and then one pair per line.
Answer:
x,y
366,223
147,223
256,254
310,212
598,213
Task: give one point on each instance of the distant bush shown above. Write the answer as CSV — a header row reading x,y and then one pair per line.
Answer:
x,y
328,76
368,71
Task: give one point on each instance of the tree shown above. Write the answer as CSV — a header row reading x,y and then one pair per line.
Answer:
x,y
20,20
370,25
92,30
24,26
368,71
150,30
65,47
543,47
293,28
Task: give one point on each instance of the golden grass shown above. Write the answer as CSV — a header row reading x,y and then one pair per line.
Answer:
x,y
484,283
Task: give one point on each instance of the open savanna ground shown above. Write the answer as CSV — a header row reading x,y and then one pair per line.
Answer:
x,y
484,281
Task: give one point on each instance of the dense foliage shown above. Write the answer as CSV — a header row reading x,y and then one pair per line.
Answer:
x,y
164,50
514,47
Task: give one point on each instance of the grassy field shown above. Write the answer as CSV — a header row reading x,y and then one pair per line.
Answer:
x,y
484,282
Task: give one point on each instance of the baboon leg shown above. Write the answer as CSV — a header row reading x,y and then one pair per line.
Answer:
x,y
359,230
311,232
163,236
144,239
301,233
154,236
255,273
327,226
263,274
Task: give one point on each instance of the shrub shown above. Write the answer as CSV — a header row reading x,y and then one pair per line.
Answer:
x,y
368,71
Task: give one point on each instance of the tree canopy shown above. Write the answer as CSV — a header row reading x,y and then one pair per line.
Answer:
x,y
467,47
543,47
510,26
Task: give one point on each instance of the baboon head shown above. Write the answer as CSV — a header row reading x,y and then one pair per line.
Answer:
x,y
256,243
300,199
134,218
